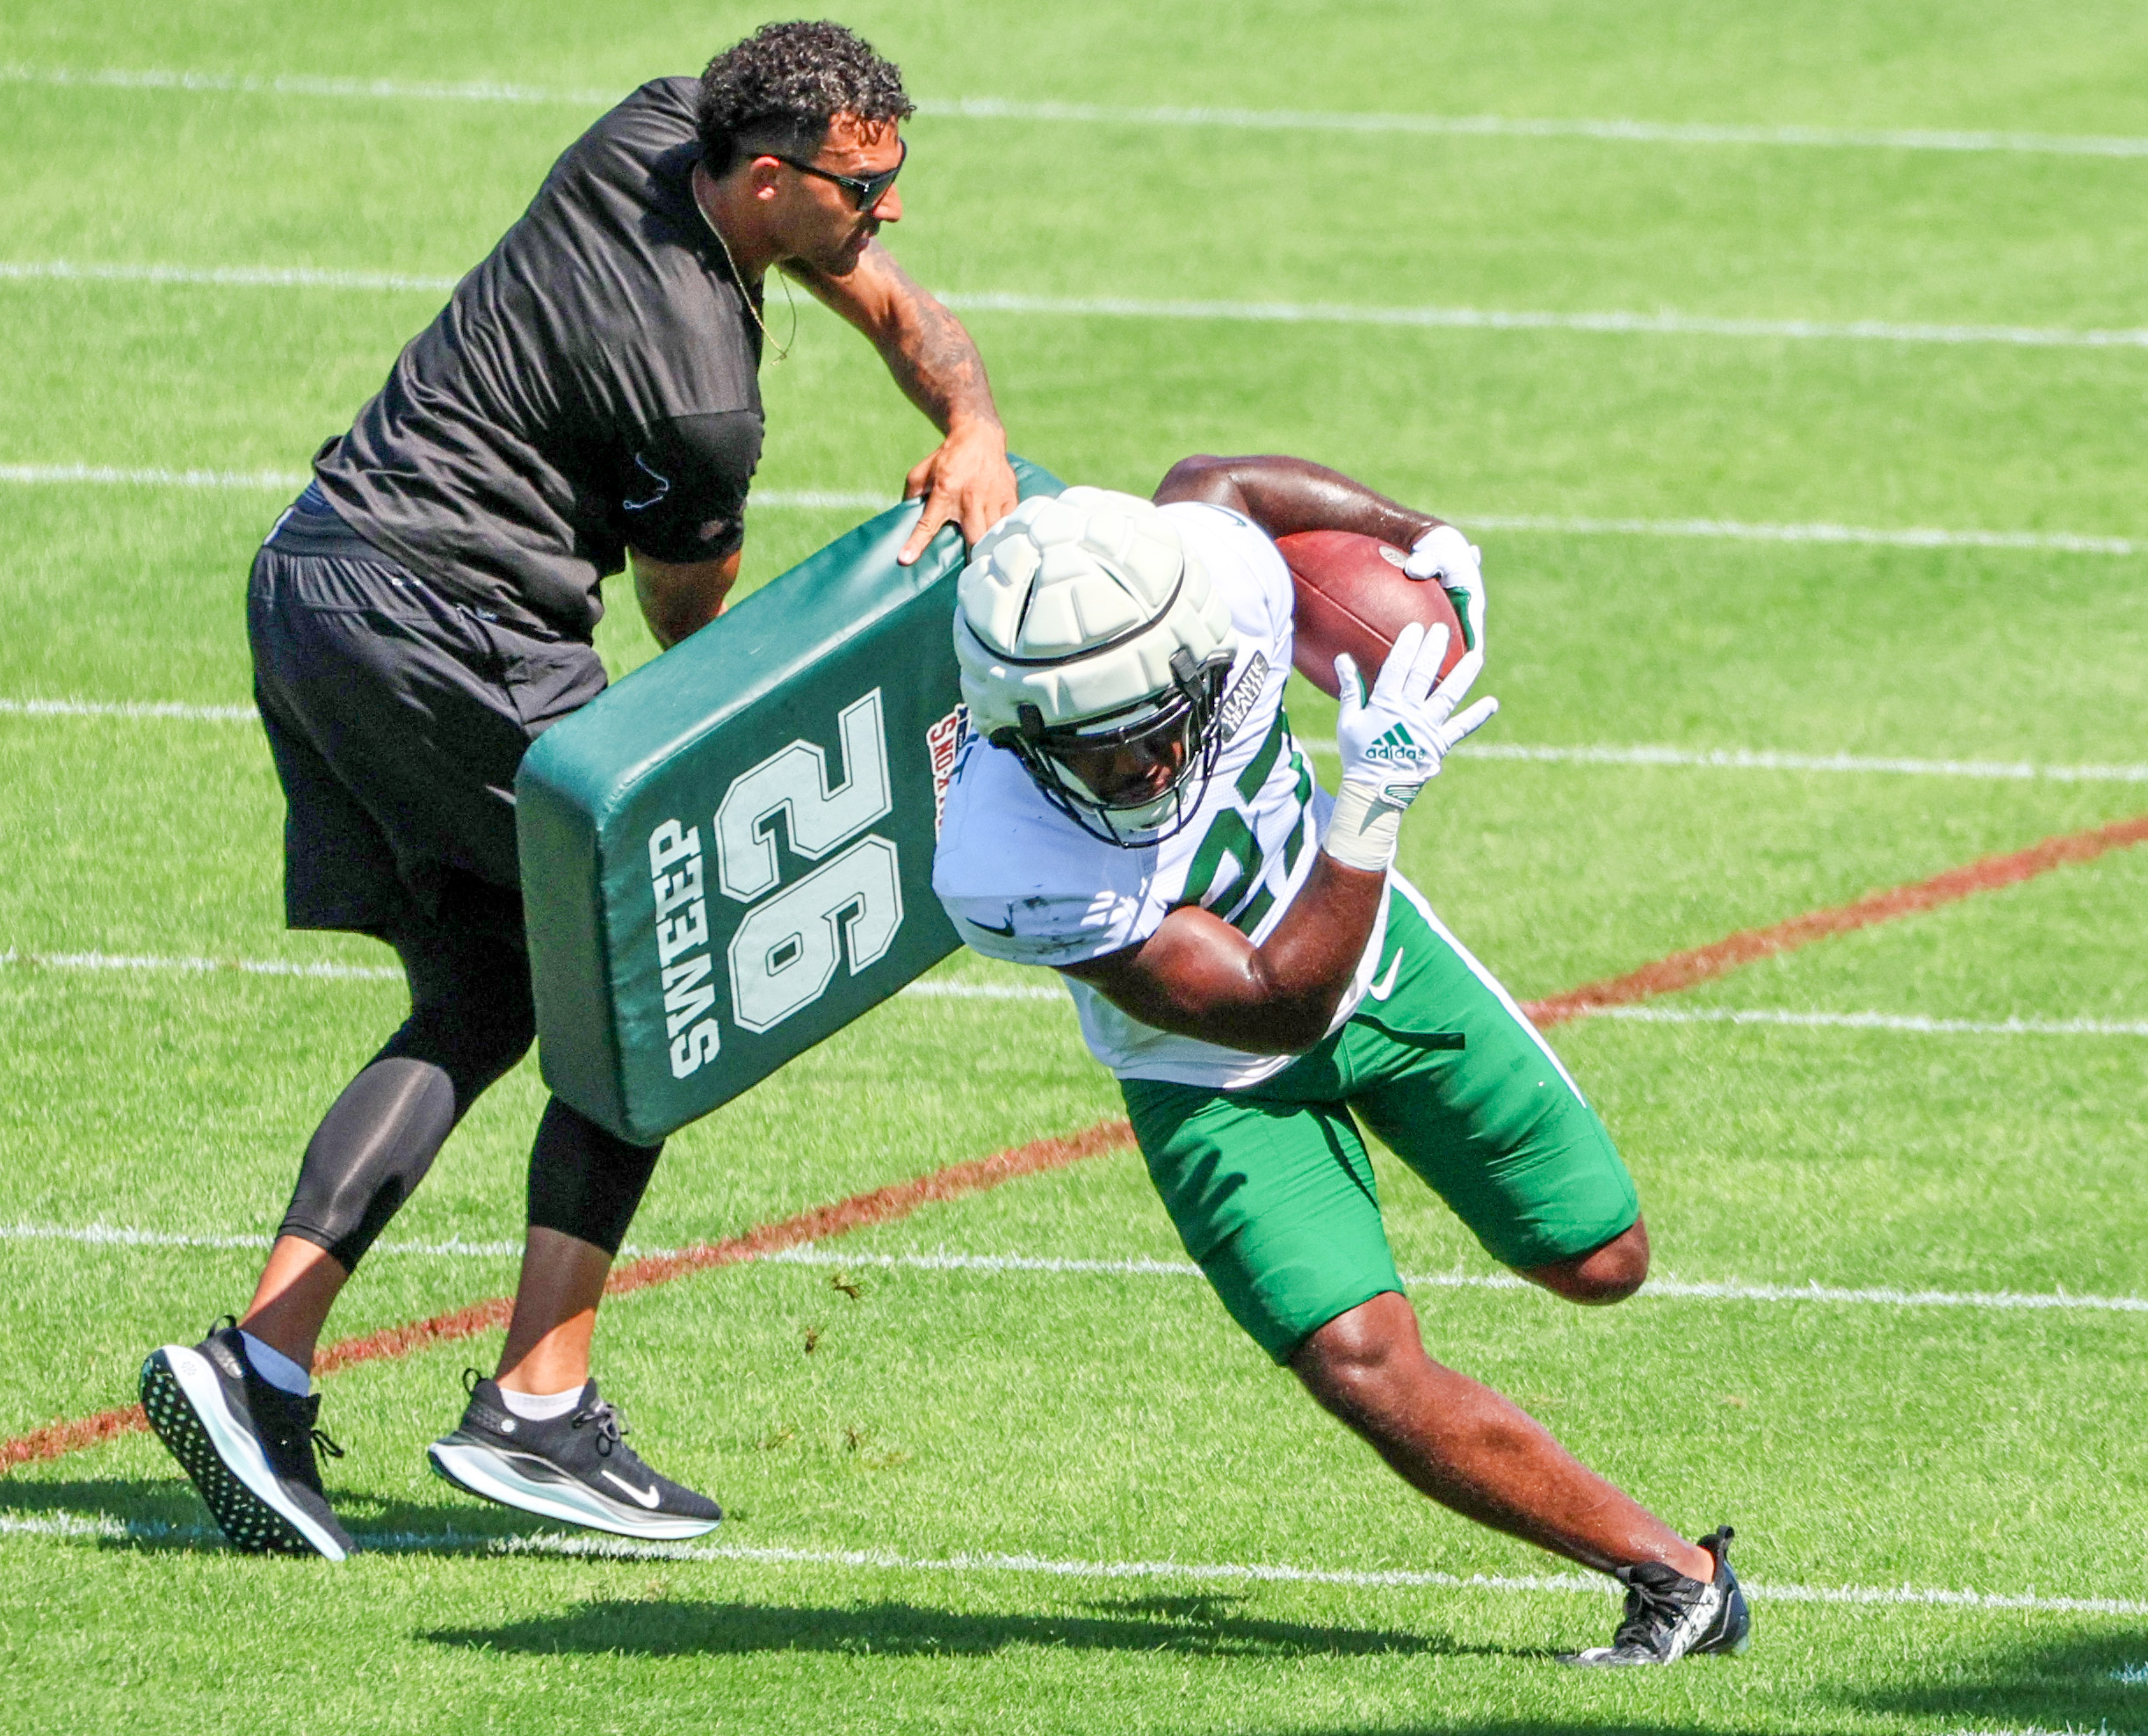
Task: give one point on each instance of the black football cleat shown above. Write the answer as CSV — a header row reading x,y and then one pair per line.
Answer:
x,y
248,1446
577,1468
1669,1617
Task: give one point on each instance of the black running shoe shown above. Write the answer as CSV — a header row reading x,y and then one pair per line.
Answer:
x,y
1669,1617
249,1446
577,1467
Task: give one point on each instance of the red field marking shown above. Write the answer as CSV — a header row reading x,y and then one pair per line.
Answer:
x,y
58,1438
1684,970
883,1205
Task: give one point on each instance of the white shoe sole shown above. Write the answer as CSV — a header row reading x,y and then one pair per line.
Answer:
x,y
493,1475
200,1408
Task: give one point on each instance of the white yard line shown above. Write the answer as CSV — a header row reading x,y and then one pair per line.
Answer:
x,y
820,500
241,277
162,709
1714,759
1752,759
1615,322
1903,1021
104,1528
1237,119
1667,1289
2054,542
1717,759
956,990
275,967
2061,542
1494,319
289,481
1510,126
121,1235
45,475
118,961
307,84
1002,1265
987,991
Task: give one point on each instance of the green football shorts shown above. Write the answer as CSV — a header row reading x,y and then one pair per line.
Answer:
x,y
1271,1187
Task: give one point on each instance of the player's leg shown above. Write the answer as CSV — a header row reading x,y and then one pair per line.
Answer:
x,y
1450,1074
471,1021
238,1410
1273,1195
395,739
1476,1451
1469,1447
538,1436
1610,1272
1302,1262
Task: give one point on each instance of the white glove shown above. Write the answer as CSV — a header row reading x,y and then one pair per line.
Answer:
x,y
1444,553
1393,742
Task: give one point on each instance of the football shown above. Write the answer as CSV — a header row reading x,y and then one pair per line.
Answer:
x,y
1351,596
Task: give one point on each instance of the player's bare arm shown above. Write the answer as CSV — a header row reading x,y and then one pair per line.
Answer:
x,y
1284,495
1199,977
678,598
967,480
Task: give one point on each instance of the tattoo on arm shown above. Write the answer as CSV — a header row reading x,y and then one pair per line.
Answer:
x,y
925,347
937,365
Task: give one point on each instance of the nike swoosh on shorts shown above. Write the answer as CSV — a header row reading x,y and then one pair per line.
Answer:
x,y
1385,984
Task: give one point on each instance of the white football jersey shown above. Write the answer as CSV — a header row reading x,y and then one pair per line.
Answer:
x,y
1024,882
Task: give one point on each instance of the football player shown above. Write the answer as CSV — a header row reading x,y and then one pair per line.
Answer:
x,y
1132,811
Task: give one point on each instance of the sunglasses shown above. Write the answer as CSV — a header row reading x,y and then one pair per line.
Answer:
x,y
865,191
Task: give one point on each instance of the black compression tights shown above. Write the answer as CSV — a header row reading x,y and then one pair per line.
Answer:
x,y
471,1020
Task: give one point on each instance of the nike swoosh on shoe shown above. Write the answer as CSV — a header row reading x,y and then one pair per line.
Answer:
x,y
648,1497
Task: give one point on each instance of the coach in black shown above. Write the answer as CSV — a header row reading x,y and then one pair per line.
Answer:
x,y
424,610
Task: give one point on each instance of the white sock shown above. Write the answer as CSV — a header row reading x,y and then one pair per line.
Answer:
x,y
540,1406
275,1368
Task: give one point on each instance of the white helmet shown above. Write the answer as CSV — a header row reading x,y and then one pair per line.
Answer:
x,y
1092,646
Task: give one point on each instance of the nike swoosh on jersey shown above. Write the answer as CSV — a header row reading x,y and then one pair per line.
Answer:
x,y
990,929
648,1497
1385,986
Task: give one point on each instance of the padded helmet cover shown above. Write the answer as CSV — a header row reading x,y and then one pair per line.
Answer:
x,y
1076,605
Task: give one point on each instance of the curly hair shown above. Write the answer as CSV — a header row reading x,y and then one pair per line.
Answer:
x,y
777,91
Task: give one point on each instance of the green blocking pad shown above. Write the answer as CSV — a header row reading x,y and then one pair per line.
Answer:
x,y
727,857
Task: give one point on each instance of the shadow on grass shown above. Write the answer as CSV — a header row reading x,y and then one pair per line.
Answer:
x,y
163,1513
128,1508
1196,1626
2088,1681
1609,1723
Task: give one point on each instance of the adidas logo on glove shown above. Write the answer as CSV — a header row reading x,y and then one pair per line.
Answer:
x,y
1396,744
1392,741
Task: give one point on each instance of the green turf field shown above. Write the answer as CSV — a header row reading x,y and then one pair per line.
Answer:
x,y
994,1490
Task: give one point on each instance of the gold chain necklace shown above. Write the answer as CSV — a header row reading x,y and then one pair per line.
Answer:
x,y
782,350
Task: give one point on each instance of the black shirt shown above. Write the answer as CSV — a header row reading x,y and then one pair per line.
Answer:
x,y
590,387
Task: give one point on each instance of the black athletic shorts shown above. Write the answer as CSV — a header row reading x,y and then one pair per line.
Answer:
x,y
396,717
